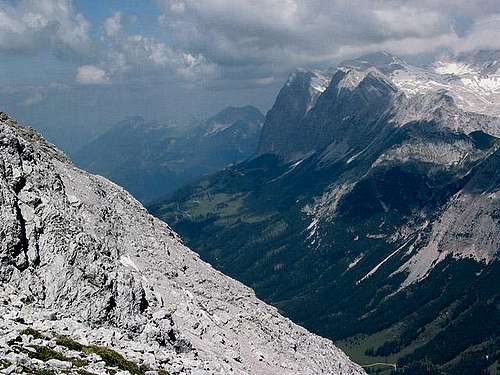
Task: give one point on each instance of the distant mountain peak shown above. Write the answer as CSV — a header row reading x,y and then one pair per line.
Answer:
x,y
152,158
383,61
355,78
352,77
303,121
317,80
296,99
230,116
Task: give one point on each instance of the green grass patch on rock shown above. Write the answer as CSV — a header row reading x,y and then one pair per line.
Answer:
x,y
115,359
4,364
109,356
45,353
33,332
69,343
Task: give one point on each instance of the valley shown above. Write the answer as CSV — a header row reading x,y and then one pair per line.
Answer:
x,y
372,220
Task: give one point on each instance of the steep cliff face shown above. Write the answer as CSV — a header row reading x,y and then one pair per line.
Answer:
x,y
294,101
81,257
349,105
348,113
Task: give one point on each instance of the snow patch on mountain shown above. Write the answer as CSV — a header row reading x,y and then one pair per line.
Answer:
x,y
452,67
320,81
355,261
472,89
318,84
473,80
377,267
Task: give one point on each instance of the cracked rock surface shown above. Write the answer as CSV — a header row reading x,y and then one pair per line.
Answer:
x,y
80,257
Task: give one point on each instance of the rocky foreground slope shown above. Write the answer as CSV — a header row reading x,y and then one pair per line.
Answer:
x,y
86,273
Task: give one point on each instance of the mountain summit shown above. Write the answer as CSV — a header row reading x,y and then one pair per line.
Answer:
x,y
91,283
297,97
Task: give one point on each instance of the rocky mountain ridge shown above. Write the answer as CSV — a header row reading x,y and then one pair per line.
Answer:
x,y
81,258
375,211
369,83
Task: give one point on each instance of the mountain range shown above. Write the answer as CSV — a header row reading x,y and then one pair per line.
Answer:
x,y
151,159
371,213
90,283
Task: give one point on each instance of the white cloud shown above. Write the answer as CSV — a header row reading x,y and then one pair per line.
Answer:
x,y
112,25
91,75
244,40
139,54
32,25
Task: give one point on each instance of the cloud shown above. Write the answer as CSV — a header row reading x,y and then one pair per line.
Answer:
x,y
113,25
91,75
485,34
27,97
137,54
240,42
35,25
274,36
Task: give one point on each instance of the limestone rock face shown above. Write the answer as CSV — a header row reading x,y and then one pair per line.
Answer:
x,y
295,100
81,257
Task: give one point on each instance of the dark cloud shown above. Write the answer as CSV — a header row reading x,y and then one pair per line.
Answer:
x,y
281,34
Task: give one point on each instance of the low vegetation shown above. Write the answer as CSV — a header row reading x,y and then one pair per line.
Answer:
x,y
33,333
45,353
109,356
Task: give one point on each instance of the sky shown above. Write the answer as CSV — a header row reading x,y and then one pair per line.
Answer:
x,y
73,67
